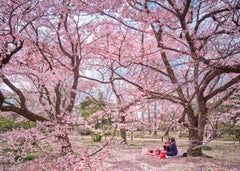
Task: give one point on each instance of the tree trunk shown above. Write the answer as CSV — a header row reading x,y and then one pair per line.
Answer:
x,y
155,129
123,131
66,145
166,133
195,142
143,120
196,134
149,120
155,118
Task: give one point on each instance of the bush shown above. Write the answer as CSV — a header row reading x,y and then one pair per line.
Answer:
x,y
7,124
84,131
27,158
96,137
17,157
25,124
206,147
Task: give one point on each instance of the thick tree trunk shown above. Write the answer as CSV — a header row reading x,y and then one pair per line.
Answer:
x,y
195,142
123,136
196,134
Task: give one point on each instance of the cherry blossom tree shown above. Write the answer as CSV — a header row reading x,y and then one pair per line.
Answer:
x,y
226,114
188,64
143,50
44,56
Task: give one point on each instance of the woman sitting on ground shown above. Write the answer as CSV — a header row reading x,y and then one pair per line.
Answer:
x,y
172,148
167,144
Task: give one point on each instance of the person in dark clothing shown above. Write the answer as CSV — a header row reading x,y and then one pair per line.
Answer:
x,y
172,148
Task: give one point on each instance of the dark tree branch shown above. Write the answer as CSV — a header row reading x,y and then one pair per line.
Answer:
x,y
172,76
7,58
23,112
223,88
220,101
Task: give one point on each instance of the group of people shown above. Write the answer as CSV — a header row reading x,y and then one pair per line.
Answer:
x,y
169,147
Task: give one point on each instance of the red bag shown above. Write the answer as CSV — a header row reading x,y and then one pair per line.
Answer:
x,y
163,154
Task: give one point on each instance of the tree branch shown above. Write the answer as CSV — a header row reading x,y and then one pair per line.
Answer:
x,y
219,102
223,88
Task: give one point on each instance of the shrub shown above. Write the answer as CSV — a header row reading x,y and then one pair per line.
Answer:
x,y
206,147
17,157
27,158
7,124
84,131
25,124
96,137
